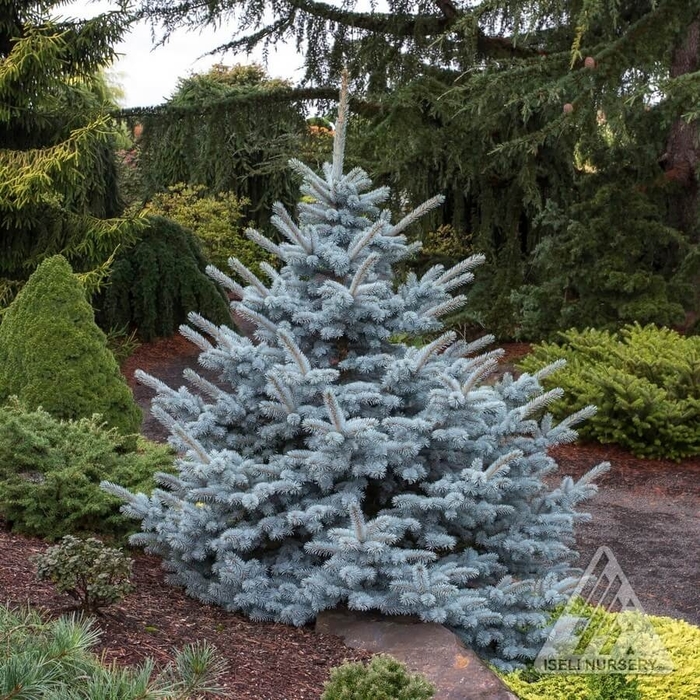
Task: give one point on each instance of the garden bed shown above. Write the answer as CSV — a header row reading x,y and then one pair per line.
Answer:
x,y
265,661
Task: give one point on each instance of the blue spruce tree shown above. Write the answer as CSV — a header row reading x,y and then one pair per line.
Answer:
x,y
330,465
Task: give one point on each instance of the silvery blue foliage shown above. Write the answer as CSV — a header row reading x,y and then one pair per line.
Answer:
x,y
330,465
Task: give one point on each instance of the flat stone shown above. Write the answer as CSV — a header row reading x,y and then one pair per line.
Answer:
x,y
428,648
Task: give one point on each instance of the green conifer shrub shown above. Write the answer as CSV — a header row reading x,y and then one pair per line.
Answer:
x,y
53,355
645,382
89,572
53,659
154,284
50,471
384,678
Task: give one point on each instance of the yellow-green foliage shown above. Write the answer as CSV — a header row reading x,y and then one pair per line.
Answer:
x,y
53,355
680,639
217,220
645,382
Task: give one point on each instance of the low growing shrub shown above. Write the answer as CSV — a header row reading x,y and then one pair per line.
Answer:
x,y
154,284
54,660
645,382
680,639
50,471
89,572
384,678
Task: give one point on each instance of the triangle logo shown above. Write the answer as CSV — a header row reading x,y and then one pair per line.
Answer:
x,y
603,628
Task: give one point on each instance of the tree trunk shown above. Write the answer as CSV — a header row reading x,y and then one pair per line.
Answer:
x,y
682,150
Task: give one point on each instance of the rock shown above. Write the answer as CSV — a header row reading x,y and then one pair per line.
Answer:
x,y
428,648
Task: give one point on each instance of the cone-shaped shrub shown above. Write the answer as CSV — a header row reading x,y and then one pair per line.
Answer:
x,y
53,355
329,465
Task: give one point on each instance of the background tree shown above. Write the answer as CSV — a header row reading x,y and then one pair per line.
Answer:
x,y
507,107
58,189
225,130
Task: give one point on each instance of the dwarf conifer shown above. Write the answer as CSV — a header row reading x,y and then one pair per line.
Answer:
x,y
53,355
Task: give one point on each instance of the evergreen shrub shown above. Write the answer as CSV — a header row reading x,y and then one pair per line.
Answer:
x,y
50,472
52,660
217,220
53,355
645,382
154,284
384,678
324,465
679,638
89,572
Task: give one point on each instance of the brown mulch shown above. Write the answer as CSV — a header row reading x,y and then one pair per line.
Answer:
x,y
265,661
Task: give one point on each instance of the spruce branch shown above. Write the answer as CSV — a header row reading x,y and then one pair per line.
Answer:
x,y
362,240
357,519
438,345
197,338
237,266
282,392
540,402
284,223
501,463
264,242
287,341
334,410
225,281
211,329
341,126
365,268
479,374
174,426
446,307
254,317
460,268
204,385
416,214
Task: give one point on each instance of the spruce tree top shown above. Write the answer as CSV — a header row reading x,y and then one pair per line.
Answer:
x,y
329,464
53,355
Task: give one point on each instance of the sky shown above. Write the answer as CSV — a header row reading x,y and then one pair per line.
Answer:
x,y
148,75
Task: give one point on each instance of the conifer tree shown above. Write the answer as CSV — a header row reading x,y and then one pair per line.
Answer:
x,y
508,106
58,190
53,356
331,465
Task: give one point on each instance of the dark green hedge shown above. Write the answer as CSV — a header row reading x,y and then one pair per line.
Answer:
x,y
155,283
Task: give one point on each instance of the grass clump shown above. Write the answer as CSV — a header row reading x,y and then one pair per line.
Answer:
x,y
645,382
53,660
